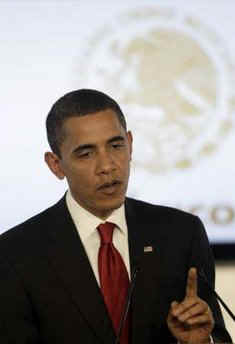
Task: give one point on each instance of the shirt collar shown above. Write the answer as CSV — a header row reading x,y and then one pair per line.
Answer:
x,y
83,219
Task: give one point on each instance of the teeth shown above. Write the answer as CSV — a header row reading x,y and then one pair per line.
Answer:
x,y
110,184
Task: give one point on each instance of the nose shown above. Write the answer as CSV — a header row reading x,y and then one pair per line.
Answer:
x,y
105,163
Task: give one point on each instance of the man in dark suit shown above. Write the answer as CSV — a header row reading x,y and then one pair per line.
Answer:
x,y
52,286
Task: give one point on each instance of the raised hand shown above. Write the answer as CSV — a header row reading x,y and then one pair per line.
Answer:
x,y
191,321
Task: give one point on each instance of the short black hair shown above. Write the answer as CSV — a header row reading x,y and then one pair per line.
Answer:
x,y
75,104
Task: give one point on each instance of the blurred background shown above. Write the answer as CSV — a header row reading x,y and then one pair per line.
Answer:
x,y
170,65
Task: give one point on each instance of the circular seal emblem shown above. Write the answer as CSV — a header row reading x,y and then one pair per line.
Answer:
x,y
172,76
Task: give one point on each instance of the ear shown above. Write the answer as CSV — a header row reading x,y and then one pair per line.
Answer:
x,y
53,162
130,140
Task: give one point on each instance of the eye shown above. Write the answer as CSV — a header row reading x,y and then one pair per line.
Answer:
x,y
85,155
118,145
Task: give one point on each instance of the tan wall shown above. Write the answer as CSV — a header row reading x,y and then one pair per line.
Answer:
x,y
225,286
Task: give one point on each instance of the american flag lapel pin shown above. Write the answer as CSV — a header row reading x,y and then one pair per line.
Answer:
x,y
148,249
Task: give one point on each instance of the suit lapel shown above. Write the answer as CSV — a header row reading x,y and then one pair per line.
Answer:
x,y
145,300
68,257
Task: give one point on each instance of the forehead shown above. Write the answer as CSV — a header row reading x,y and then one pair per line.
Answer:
x,y
92,127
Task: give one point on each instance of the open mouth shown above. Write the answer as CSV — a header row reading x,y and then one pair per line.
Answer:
x,y
111,187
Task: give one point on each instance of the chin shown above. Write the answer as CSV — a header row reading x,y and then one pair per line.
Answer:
x,y
111,205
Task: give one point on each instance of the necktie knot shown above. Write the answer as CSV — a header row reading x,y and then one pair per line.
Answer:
x,y
106,232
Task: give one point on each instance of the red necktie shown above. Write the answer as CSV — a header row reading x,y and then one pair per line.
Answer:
x,y
114,280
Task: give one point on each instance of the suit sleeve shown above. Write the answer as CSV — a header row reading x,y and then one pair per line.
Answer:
x,y
203,259
17,321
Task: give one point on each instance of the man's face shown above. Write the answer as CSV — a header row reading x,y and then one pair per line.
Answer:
x,y
95,159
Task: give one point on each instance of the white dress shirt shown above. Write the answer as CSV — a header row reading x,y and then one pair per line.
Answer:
x,y
86,225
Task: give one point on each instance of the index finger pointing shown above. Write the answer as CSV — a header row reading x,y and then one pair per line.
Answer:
x,y
191,287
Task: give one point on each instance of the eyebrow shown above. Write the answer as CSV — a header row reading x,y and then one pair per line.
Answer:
x,y
116,138
91,146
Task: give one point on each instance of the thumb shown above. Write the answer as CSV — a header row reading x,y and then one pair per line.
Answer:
x,y
173,306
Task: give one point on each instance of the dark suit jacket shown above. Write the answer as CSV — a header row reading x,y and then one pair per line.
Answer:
x,y
48,292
